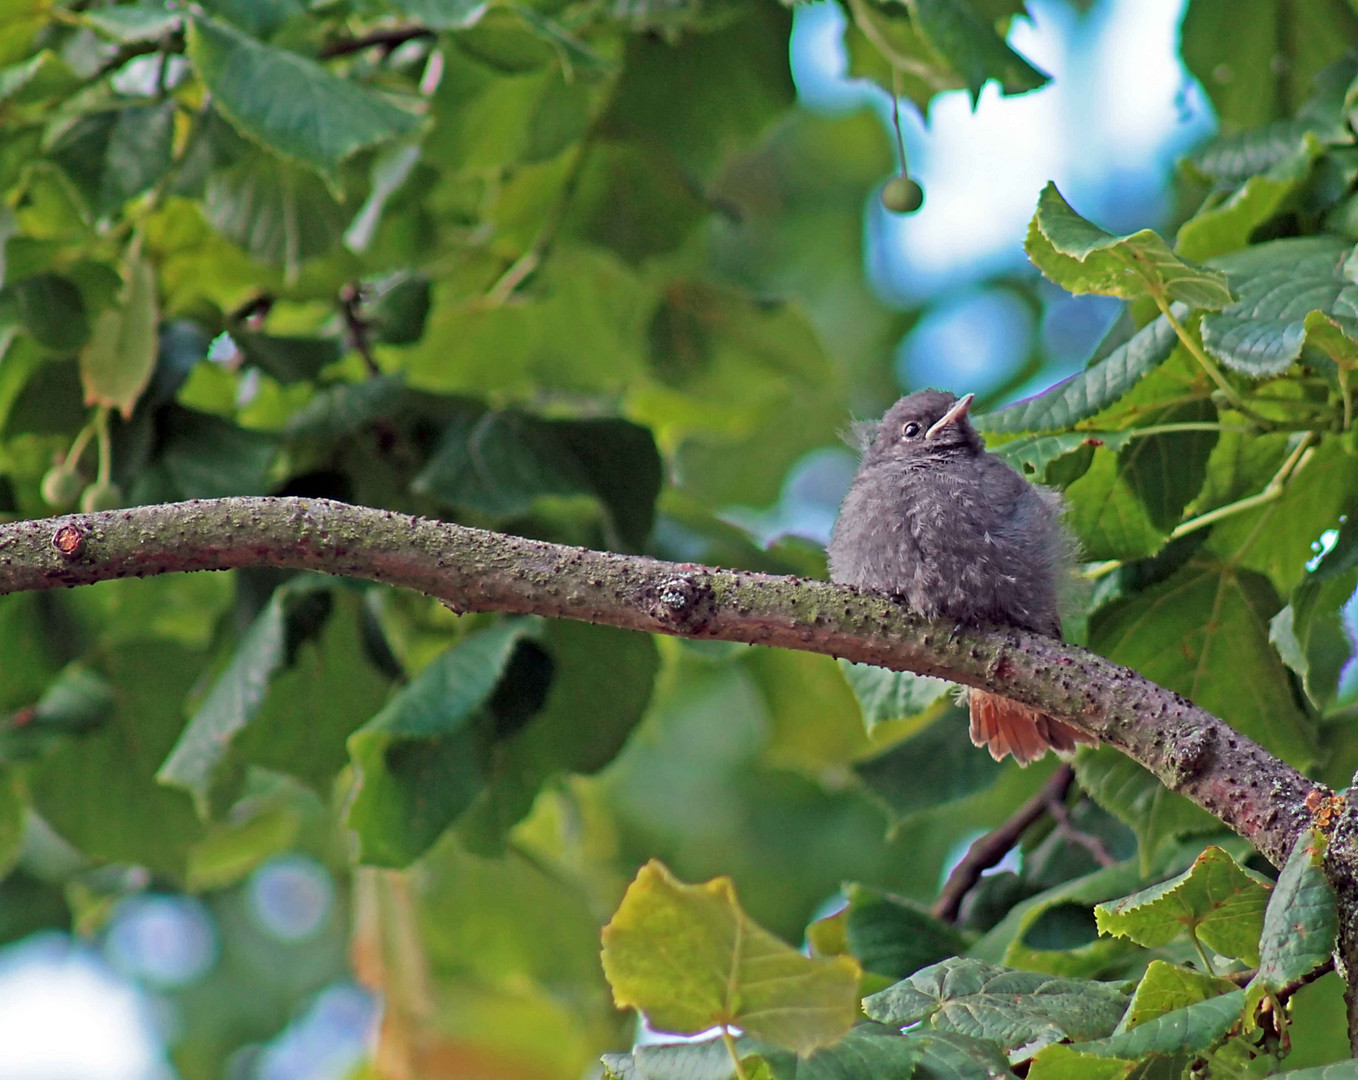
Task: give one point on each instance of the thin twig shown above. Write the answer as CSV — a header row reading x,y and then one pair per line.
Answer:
x,y
1067,830
387,40
356,327
994,845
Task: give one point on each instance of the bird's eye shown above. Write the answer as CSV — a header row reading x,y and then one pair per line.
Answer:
x,y
911,430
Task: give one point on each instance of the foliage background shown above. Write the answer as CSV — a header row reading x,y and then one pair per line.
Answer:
x,y
583,272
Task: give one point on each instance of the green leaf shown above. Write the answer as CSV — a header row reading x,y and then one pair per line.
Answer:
x,y
1279,538
1215,900
1204,633
1225,223
1339,1070
287,359
422,760
292,106
13,817
116,364
577,731
973,49
42,76
329,687
987,1001
238,693
1090,391
1035,454
1279,284
1082,258
1136,798
894,937
1300,923
1311,635
885,44
1125,507
1060,1062
885,695
280,213
1192,1029
500,462
688,958
1254,71
443,14
206,457
99,791
734,82
944,751
51,309
135,22
1166,987
114,156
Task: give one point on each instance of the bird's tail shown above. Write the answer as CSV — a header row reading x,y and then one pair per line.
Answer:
x,y
1007,727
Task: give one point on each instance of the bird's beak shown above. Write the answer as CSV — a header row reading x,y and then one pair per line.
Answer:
x,y
951,416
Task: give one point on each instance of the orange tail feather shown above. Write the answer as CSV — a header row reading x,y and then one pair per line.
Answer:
x,y
1007,727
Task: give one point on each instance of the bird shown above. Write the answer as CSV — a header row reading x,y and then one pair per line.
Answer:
x,y
956,532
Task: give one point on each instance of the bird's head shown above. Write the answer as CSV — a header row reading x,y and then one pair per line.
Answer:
x,y
925,425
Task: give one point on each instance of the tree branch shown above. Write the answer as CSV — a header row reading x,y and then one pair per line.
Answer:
x,y
989,849
1188,749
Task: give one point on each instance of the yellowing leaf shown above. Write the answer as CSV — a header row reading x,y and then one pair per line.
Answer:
x,y
689,959
117,362
1215,899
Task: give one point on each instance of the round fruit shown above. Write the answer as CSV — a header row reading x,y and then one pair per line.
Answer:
x,y
901,195
61,487
98,497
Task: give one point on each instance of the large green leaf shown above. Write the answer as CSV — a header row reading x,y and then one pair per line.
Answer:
x,y
1311,634
1139,800
1279,284
499,463
1192,1029
1090,391
1204,632
1300,924
1014,1008
100,792
1279,538
1225,222
1128,501
944,751
1215,900
972,47
1082,258
689,958
1166,987
422,760
116,364
578,730
293,106
239,691
733,82
1254,70
885,695
113,156
893,937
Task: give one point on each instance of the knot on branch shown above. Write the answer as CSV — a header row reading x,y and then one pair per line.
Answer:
x,y
1189,755
69,541
683,603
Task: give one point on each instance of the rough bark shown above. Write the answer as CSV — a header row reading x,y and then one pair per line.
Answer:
x,y
1189,750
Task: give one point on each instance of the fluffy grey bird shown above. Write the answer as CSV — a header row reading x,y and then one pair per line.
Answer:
x,y
933,518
